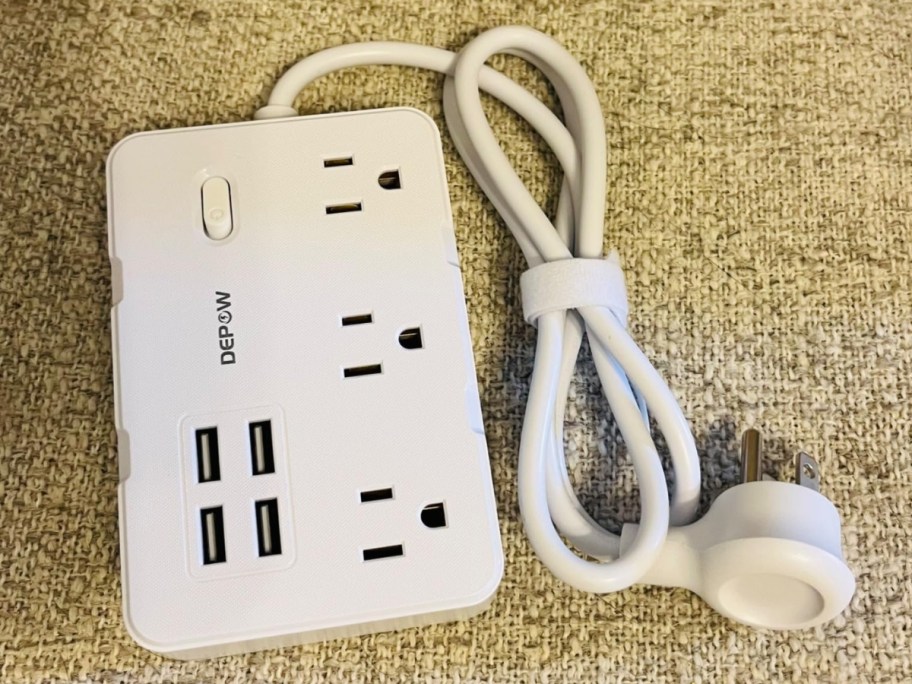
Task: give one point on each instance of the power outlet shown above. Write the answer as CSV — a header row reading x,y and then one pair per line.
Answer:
x,y
301,447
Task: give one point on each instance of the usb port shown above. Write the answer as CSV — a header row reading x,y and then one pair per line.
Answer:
x,y
262,459
207,455
212,522
269,541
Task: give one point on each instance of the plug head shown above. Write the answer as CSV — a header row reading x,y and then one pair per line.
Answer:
x,y
776,584
778,563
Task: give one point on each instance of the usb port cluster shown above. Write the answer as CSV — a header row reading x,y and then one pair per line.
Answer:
x,y
265,512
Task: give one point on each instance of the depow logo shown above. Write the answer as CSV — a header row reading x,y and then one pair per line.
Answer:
x,y
226,337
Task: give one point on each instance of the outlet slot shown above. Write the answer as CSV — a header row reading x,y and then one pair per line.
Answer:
x,y
410,338
357,371
269,541
376,495
337,161
212,524
207,455
262,458
382,552
343,208
360,319
389,180
434,515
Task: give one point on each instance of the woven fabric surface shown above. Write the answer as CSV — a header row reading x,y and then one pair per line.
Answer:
x,y
760,196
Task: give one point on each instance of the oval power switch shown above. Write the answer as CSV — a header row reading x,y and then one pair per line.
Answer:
x,y
216,198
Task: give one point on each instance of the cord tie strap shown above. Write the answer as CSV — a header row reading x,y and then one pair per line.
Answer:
x,y
572,284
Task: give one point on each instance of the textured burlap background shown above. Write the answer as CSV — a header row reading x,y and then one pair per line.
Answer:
x,y
760,165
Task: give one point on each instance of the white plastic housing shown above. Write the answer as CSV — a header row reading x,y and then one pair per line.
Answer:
x,y
768,554
293,268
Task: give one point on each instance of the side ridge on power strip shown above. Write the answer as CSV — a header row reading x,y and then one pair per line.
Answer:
x,y
302,452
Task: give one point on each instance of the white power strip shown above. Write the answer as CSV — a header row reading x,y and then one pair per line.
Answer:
x,y
301,444
302,452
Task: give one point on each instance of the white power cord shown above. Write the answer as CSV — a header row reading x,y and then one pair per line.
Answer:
x,y
570,289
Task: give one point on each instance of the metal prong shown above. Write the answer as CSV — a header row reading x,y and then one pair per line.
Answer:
x,y
751,456
807,474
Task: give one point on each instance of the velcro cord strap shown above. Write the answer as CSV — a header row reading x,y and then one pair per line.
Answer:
x,y
573,284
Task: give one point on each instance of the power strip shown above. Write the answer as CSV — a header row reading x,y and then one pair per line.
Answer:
x,y
301,447
302,453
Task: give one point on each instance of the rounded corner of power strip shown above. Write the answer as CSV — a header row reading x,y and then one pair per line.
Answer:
x,y
477,599
177,650
481,599
127,141
425,118
145,640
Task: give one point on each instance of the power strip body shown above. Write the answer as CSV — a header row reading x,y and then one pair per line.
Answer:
x,y
301,448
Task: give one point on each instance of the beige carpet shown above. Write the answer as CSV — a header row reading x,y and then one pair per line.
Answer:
x,y
760,195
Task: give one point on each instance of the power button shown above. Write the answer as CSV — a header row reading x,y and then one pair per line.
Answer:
x,y
216,198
